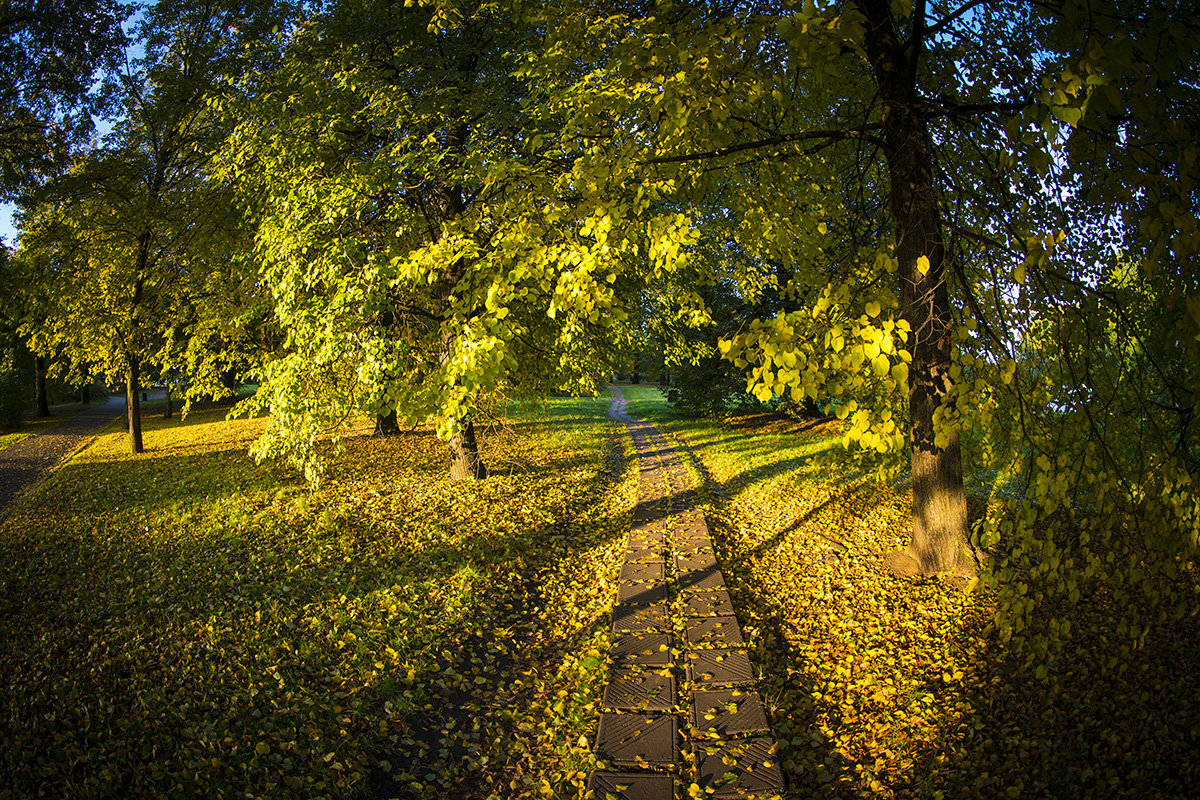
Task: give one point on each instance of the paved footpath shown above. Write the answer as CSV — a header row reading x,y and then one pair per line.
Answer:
x,y
674,628
31,459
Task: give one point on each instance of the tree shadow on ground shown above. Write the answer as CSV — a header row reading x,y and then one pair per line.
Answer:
x,y
1106,719
196,666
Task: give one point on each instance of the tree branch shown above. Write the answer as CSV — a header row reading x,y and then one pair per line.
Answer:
x,y
832,136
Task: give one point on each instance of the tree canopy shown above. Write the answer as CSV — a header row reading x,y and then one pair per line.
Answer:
x,y
430,243
49,54
965,228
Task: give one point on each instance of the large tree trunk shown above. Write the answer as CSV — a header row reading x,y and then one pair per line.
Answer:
x,y
39,388
386,424
133,405
939,508
465,463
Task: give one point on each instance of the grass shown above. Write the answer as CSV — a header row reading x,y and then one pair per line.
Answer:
x,y
188,624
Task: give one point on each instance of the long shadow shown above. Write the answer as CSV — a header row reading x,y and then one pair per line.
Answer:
x,y
793,712
1106,720
519,654
186,674
789,699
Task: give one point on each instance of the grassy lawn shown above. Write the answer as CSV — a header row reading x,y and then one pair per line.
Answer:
x,y
187,624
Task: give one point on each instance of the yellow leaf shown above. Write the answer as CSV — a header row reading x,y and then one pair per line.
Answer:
x,y
923,265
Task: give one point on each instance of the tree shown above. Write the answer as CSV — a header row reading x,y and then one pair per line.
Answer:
x,y
49,55
918,166
135,239
431,244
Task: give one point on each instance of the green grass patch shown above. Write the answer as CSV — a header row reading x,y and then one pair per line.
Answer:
x,y
185,623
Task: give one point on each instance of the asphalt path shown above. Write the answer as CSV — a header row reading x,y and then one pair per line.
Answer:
x,y
32,459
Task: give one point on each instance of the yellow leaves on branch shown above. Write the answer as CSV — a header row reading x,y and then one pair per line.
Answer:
x,y
828,355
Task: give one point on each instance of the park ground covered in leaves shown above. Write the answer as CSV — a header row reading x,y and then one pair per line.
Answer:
x,y
185,623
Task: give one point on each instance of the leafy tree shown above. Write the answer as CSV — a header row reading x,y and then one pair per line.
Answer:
x,y
134,241
431,244
49,54
925,169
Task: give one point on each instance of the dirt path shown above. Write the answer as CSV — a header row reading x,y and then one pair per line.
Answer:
x,y
30,460
674,627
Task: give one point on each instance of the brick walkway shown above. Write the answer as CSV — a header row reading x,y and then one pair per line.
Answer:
x,y
674,628
29,460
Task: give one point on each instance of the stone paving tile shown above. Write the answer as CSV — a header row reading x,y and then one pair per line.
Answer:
x,y
645,541
641,649
695,553
640,619
713,632
706,604
642,681
632,786
632,689
722,713
641,594
695,560
717,668
740,768
646,555
691,545
643,571
648,512
638,740
700,580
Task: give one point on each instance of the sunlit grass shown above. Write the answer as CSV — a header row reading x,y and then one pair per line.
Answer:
x,y
186,623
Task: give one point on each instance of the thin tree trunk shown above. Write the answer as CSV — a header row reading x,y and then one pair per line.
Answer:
x,y
465,463
133,405
39,389
168,411
939,509
386,424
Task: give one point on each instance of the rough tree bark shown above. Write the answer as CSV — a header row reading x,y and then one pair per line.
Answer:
x,y
133,405
39,389
939,509
465,462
